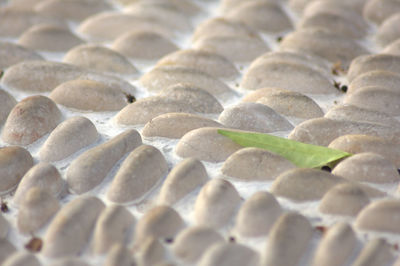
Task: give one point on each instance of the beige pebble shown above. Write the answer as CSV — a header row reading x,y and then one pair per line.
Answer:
x,y
367,63
376,252
363,143
42,175
162,77
367,167
89,95
6,249
7,102
206,144
11,54
344,199
71,228
336,246
68,137
91,167
255,164
119,255
393,48
69,261
229,254
389,31
112,228
4,227
21,258
159,222
36,209
151,252
228,5
191,243
100,58
288,240
175,125
141,171
30,119
254,117
377,78
216,203
207,62
144,45
185,177
378,10
187,7
257,215
15,161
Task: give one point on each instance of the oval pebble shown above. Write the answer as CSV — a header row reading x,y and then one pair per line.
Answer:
x,y
89,95
377,78
367,63
91,167
186,7
378,10
112,228
367,167
191,243
7,102
206,144
30,119
21,258
216,203
4,227
49,38
11,53
70,230
389,31
151,252
70,261
336,246
344,200
254,117
376,252
44,176
207,62
257,215
119,255
162,77
67,138
229,254
36,209
380,216
6,249
288,240
100,58
159,222
141,171
175,125
185,177
15,161
255,164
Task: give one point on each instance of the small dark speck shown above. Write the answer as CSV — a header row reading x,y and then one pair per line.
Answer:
x,y
321,229
1,73
326,168
232,239
398,170
34,245
130,98
279,39
169,240
344,88
4,207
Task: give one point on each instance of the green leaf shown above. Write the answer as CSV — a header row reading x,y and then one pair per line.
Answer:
x,y
301,154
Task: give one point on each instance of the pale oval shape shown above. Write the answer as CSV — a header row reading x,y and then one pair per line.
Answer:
x,y
336,246
216,203
43,175
69,261
191,243
254,117
299,78
11,54
229,254
255,164
7,103
21,258
31,119
257,215
119,255
228,5
140,172
344,200
6,248
378,10
187,7
288,240
144,45
206,144
15,161
380,216
322,131
159,222
211,63
162,77
50,38
185,177
67,138
72,10
100,58
151,252
70,229
175,125
377,78
112,227
89,95
366,63
389,31
363,143
4,227
36,209
376,252
367,167
90,168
